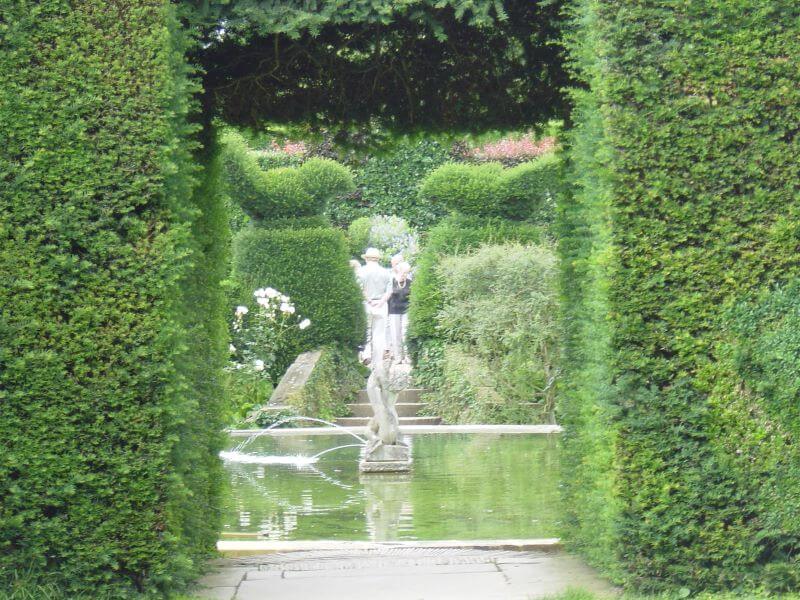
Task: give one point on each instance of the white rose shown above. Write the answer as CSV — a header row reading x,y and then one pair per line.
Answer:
x,y
241,310
260,293
287,308
263,301
271,293
258,365
304,323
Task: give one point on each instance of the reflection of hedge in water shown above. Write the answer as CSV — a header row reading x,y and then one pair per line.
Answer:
x,y
98,377
311,267
697,470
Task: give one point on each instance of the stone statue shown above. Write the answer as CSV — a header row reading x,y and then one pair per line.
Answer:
x,y
385,382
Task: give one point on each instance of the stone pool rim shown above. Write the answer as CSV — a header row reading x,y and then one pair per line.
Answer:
x,y
233,548
406,430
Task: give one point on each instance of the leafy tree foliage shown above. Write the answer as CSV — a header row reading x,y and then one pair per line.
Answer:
x,y
414,64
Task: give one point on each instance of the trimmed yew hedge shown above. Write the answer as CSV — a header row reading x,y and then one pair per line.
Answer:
x,y
111,337
524,192
686,202
282,192
311,267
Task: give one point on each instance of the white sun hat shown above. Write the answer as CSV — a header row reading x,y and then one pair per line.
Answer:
x,y
371,253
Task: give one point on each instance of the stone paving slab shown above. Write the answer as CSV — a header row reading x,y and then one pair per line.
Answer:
x,y
401,574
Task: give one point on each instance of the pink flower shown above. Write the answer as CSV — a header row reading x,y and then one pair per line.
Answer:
x,y
513,151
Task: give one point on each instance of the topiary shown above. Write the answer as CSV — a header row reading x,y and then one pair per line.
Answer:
x,y
310,266
358,235
325,179
529,190
468,189
280,192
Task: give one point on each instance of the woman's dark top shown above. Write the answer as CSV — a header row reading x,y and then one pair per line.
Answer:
x,y
398,301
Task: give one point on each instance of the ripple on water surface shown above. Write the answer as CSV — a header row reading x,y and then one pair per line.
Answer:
x,y
463,486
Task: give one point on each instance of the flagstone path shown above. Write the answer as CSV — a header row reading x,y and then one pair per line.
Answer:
x,y
400,574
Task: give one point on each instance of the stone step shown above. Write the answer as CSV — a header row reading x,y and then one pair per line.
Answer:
x,y
408,396
362,421
404,409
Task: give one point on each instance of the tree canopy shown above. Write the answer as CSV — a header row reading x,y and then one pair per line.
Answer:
x,y
422,64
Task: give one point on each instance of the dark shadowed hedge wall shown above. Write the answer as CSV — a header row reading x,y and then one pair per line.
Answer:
x,y
685,203
111,337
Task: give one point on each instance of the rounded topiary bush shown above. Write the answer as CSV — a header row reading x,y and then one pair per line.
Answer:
x,y
358,235
529,190
324,179
468,189
283,194
274,159
280,192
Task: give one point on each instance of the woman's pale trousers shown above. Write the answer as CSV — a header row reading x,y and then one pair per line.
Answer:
x,y
398,326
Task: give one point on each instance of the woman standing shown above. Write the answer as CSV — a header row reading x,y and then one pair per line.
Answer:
x,y
398,311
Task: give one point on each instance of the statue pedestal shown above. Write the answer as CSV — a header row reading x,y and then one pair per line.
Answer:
x,y
386,458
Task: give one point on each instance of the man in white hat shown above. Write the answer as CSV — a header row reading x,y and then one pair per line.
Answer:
x,y
376,284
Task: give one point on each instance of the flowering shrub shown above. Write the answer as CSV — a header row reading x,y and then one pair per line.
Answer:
x,y
289,147
511,151
259,334
389,234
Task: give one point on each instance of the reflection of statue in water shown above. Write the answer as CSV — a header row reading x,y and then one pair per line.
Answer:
x,y
385,451
388,507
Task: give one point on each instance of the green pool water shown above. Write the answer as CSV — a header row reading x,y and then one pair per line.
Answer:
x,y
463,486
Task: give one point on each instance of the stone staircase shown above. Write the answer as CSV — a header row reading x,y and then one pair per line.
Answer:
x,y
408,406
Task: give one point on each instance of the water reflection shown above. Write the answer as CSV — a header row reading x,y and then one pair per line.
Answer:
x,y
388,508
462,486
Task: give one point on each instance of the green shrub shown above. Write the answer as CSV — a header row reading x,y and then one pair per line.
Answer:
x,y
468,393
247,390
275,194
325,179
455,234
468,189
526,191
499,305
697,108
335,381
272,159
358,235
529,190
282,192
111,337
310,222
310,266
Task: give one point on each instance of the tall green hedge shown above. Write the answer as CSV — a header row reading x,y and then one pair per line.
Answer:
x,y
311,267
107,474
693,134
